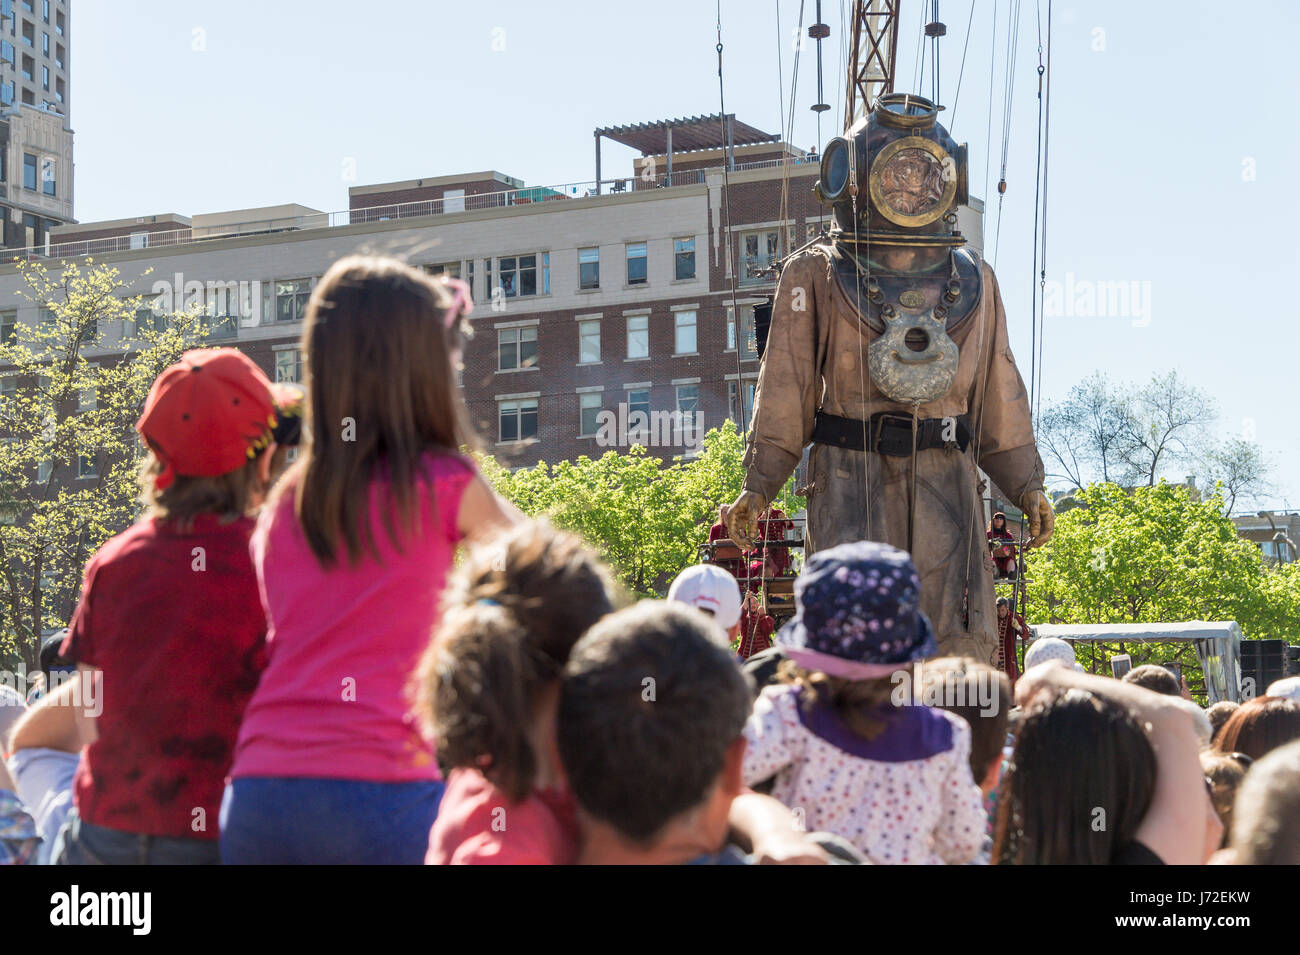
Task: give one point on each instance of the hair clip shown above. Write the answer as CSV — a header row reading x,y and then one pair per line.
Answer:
x,y
462,300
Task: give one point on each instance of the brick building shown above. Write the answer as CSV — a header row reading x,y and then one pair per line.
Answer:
x,y
610,295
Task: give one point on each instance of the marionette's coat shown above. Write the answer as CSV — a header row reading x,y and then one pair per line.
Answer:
x,y
815,358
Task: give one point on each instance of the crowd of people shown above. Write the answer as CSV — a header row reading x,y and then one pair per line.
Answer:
x,y
364,655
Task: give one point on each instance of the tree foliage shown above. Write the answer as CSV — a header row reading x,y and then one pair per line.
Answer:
x,y
646,516
1157,555
69,457
1104,431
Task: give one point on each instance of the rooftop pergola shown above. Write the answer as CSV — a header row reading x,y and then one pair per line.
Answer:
x,y
667,136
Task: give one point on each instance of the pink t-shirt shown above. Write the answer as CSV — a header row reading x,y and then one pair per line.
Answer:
x,y
333,702
478,825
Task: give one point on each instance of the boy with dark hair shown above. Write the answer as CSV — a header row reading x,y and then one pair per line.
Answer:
x,y
649,731
170,629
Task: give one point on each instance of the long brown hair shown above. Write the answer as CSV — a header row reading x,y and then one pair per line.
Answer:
x,y
1260,726
381,393
1078,759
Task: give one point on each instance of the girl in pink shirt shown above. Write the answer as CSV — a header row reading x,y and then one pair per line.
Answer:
x,y
351,555
491,682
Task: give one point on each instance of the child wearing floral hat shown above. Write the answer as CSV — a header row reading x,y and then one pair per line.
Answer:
x,y
894,780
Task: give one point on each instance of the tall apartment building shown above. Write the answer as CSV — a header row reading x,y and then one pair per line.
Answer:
x,y
35,138
626,295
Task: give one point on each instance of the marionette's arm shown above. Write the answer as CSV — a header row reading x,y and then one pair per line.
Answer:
x,y
785,403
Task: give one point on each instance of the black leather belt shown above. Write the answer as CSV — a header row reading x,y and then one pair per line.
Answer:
x,y
890,432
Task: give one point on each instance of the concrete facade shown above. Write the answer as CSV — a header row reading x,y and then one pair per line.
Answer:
x,y
36,162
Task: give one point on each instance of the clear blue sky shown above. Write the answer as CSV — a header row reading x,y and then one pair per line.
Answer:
x,y
199,106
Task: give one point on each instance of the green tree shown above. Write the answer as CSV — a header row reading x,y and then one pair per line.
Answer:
x,y
1156,555
646,516
69,457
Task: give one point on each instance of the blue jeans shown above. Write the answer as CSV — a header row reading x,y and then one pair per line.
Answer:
x,y
83,843
301,821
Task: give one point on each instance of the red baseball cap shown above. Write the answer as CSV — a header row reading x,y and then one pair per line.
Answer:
x,y
208,414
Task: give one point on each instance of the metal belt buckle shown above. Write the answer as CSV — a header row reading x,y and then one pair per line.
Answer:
x,y
900,446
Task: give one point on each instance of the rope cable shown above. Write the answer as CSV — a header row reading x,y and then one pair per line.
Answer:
x,y
726,235
962,72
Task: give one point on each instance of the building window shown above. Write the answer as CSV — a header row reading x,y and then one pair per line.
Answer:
x,y
7,51
546,273
758,251
733,409
291,297
518,419
688,399
449,269
29,34
45,78
45,44
9,327
288,366
58,55
516,348
749,345
148,320
638,336
589,342
589,268
45,10
589,413
518,275
58,89
87,466
636,263
9,386
684,344
48,175
488,288
684,258
638,400
58,23
6,94
469,278
29,171
221,310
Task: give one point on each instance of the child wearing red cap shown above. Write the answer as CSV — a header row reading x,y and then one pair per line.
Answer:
x,y
352,553
169,631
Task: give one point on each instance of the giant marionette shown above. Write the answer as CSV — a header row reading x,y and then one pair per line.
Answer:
x,y
888,354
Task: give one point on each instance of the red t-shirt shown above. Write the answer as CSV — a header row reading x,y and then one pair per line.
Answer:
x,y
174,622
478,825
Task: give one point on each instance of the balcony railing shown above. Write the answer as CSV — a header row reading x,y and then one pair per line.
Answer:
x,y
525,196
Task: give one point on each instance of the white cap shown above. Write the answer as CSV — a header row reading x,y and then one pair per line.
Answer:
x,y
1288,687
1050,648
710,588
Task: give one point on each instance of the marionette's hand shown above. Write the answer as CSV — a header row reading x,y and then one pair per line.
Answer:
x,y
1038,511
742,519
